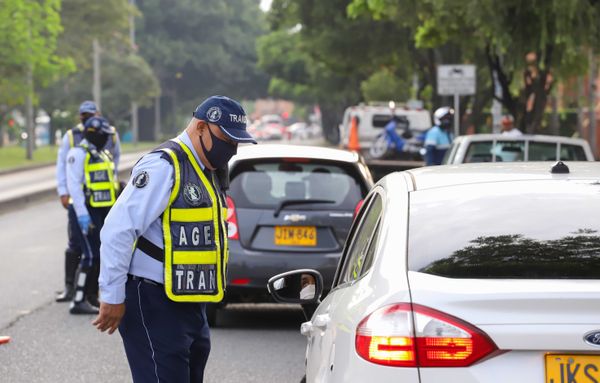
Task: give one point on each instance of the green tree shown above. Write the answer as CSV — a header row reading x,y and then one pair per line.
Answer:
x,y
316,50
529,45
200,47
28,41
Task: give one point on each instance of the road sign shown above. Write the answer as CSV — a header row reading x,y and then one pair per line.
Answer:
x,y
456,80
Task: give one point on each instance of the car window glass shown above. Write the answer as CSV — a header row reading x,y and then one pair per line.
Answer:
x,y
572,153
267,184
524,230
509,151
542,151
479,152
360,248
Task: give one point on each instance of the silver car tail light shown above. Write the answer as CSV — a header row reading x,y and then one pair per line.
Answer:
x,y
411,335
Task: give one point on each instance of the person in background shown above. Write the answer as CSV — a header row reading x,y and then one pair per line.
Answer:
x,y
92,187
508,127
70,139
439,138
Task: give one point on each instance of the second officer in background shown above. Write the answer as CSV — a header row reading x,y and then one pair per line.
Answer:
x,y
71,139
92,187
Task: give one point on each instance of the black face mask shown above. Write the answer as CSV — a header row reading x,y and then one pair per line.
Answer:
x,y
99,140
220,153
446,124
85,117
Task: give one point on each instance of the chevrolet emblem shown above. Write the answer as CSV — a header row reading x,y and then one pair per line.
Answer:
x,y
294,217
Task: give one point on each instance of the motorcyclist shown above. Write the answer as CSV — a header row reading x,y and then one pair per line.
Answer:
x,y
439,137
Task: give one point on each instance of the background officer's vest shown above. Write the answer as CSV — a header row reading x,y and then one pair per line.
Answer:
x,y
99,178
195,250
75,135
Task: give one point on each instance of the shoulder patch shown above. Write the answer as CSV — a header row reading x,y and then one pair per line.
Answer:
x,y
140,180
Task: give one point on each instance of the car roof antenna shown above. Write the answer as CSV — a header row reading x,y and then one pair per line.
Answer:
x,y
559,168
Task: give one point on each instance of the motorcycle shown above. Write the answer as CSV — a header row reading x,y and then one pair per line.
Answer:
x,y
405,144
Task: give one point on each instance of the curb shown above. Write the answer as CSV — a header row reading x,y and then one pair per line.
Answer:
x,y
22,201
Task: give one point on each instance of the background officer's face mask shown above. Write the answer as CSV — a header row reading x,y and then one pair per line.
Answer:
x,y
221,151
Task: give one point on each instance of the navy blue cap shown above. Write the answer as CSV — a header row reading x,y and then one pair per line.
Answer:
x,y
88,107
228,115
99,124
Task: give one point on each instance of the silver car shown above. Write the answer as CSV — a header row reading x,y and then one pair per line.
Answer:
x,y
471,273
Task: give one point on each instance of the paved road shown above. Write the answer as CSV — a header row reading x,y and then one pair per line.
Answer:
x,y
49,345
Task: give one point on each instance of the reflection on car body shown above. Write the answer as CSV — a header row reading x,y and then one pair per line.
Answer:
x,y
457,273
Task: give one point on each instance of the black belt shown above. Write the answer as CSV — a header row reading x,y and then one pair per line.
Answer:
x,y
146,280
150,249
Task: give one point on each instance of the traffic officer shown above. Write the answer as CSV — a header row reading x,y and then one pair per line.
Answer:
x,y
439,138
70,139
172,213
92,187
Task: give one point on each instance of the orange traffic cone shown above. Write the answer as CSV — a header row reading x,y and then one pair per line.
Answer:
x,y
353,143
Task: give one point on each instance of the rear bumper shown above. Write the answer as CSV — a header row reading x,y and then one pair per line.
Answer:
x,y
249,271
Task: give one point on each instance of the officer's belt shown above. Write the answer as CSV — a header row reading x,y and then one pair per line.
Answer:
x,y
150,249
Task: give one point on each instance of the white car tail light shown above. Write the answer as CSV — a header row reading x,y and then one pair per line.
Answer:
x,y
232,224
405,335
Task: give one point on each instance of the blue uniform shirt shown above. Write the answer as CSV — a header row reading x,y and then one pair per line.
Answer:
x,y
75,177
112,145
437,141
137,212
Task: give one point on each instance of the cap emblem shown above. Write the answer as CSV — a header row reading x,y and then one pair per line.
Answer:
x,y
214,114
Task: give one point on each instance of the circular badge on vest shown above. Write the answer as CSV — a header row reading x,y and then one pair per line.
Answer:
x,y
140,180
71,159
214,114
192,194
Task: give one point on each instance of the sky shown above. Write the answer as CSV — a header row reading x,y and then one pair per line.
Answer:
x,y
265,5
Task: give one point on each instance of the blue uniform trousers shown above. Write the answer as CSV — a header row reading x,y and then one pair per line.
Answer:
x,y
165,341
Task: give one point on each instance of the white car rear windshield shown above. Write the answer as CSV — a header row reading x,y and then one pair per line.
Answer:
x,y
526,230
267,183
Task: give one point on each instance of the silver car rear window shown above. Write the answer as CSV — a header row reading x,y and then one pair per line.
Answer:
x,y
525,230
265,184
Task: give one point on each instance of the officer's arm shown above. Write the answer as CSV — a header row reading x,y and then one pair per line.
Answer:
x,y
143,201
76,179
61,166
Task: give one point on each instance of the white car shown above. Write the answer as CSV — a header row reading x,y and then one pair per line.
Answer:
x,y
471,273
507,148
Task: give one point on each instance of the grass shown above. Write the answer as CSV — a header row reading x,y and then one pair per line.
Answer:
x,y
12,157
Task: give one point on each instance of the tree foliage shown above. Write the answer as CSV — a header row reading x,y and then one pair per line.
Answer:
x,y
28,38
201,47
528,44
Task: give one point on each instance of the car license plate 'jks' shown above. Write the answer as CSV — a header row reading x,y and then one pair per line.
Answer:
x,y
295,236
572,368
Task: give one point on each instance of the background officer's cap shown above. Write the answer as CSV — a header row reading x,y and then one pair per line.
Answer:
x,y
228,115
98,124
88,107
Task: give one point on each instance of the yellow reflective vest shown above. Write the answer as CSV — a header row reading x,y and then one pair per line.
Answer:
x,y
99,186
195,250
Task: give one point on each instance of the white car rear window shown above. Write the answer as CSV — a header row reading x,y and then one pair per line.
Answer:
x,y
527,230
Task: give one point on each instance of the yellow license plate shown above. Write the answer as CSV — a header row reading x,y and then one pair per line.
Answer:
x,y
572,368
295,236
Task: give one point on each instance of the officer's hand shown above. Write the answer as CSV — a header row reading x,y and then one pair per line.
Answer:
x,y
64,200
84,223
109,317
